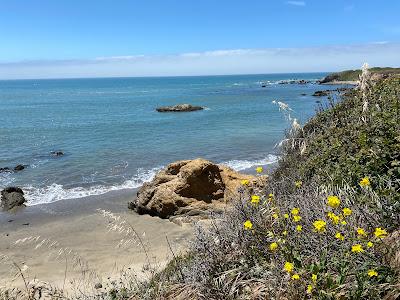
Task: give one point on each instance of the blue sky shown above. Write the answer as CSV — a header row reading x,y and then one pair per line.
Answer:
x,y
121,36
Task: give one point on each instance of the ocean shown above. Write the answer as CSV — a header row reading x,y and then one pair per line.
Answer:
x,y
113,138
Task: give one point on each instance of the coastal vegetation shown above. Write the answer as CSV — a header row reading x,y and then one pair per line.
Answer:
x,y
353,75
324,226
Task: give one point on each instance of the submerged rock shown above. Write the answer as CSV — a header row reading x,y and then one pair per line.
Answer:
x,y
57,153
295,81
179,108
322,93
19,168
5,170
12,197
190,187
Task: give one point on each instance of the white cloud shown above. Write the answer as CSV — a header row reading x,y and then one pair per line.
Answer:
x,y
296,3
218,62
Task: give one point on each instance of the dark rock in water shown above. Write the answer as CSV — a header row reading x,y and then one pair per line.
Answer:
x,y
179,108
321,93
304,94
12,197
57,153
298,81
5,170
19,168
330,78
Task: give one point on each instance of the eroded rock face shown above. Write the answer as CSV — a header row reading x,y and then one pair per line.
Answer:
x,y
179,108
189,186
12,197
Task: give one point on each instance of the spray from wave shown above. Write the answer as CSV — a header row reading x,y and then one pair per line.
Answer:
x,y
240,165
56,192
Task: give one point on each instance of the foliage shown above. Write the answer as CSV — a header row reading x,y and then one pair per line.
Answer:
x,y
348,141
352,75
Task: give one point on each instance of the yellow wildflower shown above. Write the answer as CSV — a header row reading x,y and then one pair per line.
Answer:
x,y
273,246
347,211
372,273
299,228
343,222
284,233
339,236
295,211
245,182
370,244
320,225
296,218
259,169
286,216
361,232
298,183
334,218
296,277
314,277
255,199
365,182
288,267
275,216
309,289
333,201
380,233
357,248
248,225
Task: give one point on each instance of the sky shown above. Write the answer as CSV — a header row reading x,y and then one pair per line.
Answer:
x,y
106,38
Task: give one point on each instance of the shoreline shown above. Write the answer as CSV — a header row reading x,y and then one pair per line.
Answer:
x,y
337,82
77,226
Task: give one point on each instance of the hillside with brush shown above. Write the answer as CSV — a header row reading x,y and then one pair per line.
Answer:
x,y
353,75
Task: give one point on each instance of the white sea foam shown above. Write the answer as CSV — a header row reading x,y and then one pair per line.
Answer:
x,y
56,192
240,165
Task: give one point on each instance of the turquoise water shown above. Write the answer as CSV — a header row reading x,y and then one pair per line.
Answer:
x,y
113,138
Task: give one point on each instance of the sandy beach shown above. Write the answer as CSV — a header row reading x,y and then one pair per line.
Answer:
x,y
84,233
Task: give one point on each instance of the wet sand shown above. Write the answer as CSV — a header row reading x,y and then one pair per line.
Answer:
x,y
77,226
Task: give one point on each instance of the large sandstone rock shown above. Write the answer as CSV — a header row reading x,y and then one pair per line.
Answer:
x,y
12,197
190,187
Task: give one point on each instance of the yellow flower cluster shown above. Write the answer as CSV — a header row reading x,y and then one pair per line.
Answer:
x,y
259,169
245,182
298,184
365,182
357,248
255,199
319,225
248,225
333,201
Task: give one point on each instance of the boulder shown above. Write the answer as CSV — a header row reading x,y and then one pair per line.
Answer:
x,y
191,187
19,168
12,197
179,108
